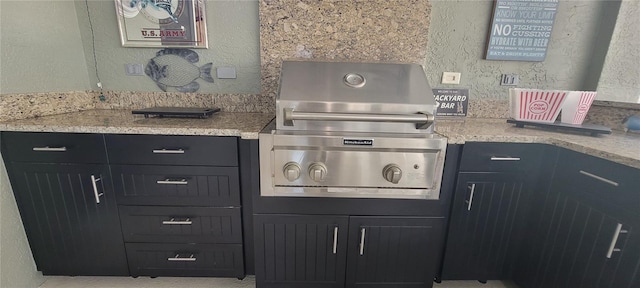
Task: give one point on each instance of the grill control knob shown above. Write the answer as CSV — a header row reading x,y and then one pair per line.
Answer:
x,y
392,173
317,172
291,171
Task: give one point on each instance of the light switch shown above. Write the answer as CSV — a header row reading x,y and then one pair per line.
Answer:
x,y
451,77
226,72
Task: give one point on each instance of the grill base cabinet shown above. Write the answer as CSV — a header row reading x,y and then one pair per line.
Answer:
x,y
346,251
305,242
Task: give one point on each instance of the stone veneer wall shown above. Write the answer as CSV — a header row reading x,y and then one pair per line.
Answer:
x,y
357,31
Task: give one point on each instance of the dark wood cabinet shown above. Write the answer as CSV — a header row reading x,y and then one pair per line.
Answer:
x,y
71,219
300,250
584,237
490,208
342,251
392,251
180,204
488,218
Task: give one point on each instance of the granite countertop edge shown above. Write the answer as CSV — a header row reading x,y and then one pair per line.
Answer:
x,y
623,148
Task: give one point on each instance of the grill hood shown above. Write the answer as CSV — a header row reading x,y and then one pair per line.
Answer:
x,y
358,97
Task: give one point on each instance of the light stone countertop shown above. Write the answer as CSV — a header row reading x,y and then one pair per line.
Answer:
x,y
623,148
618,147
243,125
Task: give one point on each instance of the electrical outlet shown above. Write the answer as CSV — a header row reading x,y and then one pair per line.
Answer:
x,y
451,77
132,69
509,80
226,72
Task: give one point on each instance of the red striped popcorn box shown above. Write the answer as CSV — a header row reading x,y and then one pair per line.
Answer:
x,y
576,106
535,105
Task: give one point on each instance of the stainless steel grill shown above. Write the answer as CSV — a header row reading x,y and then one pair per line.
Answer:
x,y
360,130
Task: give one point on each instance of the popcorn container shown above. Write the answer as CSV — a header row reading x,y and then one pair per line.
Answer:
x,y
535,105
576,106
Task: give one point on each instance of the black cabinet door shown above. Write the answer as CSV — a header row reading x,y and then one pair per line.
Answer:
x,y
70,217
300,251
488,216
581,242
393,252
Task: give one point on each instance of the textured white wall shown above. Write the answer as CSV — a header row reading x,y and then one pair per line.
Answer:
x,y
620,78
41,47
17,268
233,34
458,35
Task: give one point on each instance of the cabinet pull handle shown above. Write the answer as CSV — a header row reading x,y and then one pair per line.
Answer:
x,y
173,182
495,158
95,180
183,259
362,232
614,241
173,221
335,240
470,201
168,151
605,180
50,149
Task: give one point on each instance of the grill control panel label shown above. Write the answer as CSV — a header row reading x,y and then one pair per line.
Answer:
x,y
357,142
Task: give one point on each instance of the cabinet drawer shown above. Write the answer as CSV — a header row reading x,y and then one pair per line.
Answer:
x,y
176,185
181,224
53,147
172,150
608,181
499,157
154,259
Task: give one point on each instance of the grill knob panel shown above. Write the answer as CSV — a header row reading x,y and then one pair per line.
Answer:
x,y
317,172
392,173
291,171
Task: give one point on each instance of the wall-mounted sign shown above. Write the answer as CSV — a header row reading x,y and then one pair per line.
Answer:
x,y
521,29
451,102
162,23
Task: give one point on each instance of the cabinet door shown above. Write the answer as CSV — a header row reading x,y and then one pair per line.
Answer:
x,y
300,251
488,216
70,217
393,252
581,243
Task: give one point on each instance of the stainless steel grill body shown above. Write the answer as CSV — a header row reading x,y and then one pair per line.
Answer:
x,y
352,130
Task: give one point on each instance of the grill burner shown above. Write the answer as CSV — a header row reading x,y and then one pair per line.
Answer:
x,y
362,130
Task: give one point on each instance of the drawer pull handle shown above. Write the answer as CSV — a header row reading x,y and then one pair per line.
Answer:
x,y
50,149
362,231
605,180
335,240
168,151
183,259
470,201
173,182
614,241
94,182
494,158
173,221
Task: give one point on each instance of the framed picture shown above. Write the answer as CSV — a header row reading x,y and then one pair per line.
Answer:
x,y
162,23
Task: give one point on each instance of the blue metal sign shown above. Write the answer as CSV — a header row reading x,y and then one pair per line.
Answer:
x,y
521,29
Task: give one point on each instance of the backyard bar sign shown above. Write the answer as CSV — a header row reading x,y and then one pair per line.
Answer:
x,y
451,102
521,29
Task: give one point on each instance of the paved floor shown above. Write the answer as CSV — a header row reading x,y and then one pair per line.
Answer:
x,y
194,282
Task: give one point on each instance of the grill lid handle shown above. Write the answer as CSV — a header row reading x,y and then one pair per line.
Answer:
x,y
422,119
